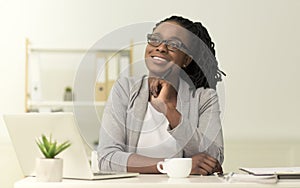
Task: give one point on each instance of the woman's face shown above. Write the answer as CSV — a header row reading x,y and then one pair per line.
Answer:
x,y
161,57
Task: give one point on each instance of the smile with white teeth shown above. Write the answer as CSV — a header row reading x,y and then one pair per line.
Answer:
x,y
160,59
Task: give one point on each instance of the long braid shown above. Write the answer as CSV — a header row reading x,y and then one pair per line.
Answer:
x,y
203,73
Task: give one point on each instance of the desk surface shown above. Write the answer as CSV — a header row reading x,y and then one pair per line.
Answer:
x,y
155,181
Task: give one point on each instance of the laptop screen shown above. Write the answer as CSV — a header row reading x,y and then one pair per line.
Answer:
x,y
26,127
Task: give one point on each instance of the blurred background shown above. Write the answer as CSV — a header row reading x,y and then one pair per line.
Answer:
x,y
257,45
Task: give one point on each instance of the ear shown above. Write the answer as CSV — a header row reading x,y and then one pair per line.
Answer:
x,y
187,60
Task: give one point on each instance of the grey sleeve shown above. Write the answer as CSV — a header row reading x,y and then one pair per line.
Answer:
x,y
205,135
112,155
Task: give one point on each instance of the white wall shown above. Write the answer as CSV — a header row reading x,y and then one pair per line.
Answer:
x,y
257,43
11,82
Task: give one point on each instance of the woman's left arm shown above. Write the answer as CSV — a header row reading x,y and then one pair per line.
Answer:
x,y
208,137
202,138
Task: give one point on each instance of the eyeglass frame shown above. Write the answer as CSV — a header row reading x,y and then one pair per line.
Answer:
x,y
166,42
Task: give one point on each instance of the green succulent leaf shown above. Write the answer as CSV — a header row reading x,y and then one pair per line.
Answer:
x,y
62,147
42,147
45,142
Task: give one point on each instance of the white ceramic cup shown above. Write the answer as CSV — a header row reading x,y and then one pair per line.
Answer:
x,y
175,167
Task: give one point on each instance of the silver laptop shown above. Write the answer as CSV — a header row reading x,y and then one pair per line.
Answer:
x,y
26,127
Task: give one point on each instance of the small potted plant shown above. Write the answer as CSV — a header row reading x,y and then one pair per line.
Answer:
x,y
49,168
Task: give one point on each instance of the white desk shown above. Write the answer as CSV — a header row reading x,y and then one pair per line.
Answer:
x,y
155,181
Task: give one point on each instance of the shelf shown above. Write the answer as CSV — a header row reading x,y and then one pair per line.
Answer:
x,y
63,103
34,48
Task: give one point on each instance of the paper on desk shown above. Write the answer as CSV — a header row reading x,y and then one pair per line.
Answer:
x,y
252,178
270,171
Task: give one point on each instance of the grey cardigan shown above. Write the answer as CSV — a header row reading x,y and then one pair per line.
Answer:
x,y
199,130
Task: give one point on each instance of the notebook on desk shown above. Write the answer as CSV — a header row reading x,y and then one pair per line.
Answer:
x,y
24,128
281,172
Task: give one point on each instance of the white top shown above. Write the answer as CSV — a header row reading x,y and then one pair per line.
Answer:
x,y
155,140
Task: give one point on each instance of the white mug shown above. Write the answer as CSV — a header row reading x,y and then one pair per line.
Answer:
x,y
175,167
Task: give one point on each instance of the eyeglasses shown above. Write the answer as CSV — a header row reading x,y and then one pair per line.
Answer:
x,y
172,45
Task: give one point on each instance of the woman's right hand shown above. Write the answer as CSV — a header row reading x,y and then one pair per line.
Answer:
x,y
163,98
204,164
162,94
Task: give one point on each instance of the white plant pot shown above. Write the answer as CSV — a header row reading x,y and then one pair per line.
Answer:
x,y
49,170
68,96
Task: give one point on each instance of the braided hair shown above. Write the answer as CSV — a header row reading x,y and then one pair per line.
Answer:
x,y
202,73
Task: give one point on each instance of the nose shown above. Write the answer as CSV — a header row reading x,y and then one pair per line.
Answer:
x,y
162,47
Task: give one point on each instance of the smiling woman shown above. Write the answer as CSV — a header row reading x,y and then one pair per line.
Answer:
x,y
171,112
